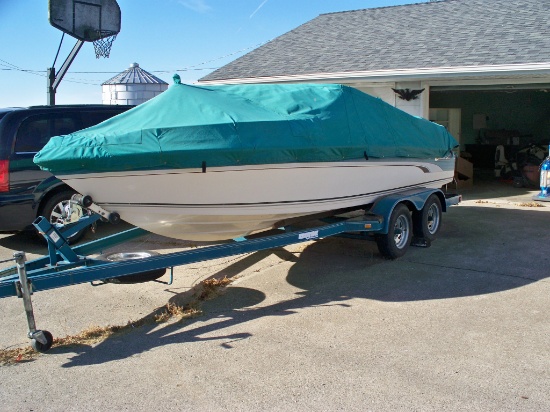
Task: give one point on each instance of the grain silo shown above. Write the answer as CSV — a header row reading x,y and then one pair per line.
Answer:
x,y
132,86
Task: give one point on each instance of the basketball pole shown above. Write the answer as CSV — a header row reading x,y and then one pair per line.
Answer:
x,y
53,79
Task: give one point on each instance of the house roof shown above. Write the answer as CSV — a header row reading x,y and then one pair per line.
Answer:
x,y
134,75
443,34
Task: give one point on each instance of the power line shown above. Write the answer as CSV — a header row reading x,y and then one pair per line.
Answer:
x,y
11,67
233,53
152,71
41,73
8,64
101,72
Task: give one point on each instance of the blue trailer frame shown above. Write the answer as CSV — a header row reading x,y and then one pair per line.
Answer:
x,y
386,219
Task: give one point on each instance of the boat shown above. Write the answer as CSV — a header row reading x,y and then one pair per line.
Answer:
x,y
212,163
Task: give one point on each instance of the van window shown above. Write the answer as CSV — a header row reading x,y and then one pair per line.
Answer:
x,y
92,118
35,131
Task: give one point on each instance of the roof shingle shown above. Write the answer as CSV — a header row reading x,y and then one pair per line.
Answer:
x,y
449,33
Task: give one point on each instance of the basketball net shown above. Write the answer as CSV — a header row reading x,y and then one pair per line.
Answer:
x,y
102,45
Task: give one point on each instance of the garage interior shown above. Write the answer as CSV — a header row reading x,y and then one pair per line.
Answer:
x,y
503,130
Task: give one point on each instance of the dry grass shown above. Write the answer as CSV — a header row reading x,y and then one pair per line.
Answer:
x,y
172,311
11,356
205,290
530,204
522,204
211,288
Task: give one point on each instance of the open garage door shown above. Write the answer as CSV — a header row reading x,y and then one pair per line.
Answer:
x,y
508,117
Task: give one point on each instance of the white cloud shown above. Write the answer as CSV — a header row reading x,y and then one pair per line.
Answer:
x,y
199,6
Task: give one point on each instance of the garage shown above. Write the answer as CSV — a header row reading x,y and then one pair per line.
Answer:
x,y
513,118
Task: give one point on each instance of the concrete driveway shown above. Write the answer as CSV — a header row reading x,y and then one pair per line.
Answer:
x,y
327,325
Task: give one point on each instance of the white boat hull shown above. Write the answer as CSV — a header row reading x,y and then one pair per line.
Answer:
x,y
228,202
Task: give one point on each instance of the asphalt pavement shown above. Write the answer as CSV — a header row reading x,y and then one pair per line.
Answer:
x,y
324,326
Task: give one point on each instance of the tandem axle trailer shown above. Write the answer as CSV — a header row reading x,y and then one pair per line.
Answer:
x,y
394,222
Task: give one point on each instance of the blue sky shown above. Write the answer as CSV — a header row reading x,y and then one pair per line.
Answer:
x,y
188,37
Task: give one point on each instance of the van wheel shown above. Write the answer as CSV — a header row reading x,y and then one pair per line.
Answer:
x,y
60,209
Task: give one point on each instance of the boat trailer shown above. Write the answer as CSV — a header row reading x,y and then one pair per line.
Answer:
x,y
394,222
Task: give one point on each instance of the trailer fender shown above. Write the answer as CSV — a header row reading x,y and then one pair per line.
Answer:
x,y
414,199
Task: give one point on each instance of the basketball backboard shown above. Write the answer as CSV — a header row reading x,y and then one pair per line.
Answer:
x,y
87,20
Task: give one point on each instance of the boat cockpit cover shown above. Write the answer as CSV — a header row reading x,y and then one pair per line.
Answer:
x,y
230,125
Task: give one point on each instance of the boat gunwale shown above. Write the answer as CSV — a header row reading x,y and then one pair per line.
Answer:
x,y
387,162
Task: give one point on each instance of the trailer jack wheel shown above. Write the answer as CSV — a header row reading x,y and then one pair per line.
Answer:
x,y
46,338
41,340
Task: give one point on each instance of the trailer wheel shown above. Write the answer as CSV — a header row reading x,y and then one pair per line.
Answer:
x,y
43,347
395,243
427,222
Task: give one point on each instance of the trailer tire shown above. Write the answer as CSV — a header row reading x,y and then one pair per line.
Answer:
x,y
395,243
141,277
427,222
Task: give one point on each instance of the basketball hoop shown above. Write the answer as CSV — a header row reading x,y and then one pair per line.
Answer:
x,y
102,45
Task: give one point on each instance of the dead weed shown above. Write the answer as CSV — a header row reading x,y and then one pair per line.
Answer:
x,y
530,204
205,290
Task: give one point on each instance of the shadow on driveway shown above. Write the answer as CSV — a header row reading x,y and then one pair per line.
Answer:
x,y
480,251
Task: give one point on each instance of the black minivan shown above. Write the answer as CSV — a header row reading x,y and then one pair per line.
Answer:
x,y
27,192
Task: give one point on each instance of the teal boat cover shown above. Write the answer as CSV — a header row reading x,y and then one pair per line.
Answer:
x,y
191,126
